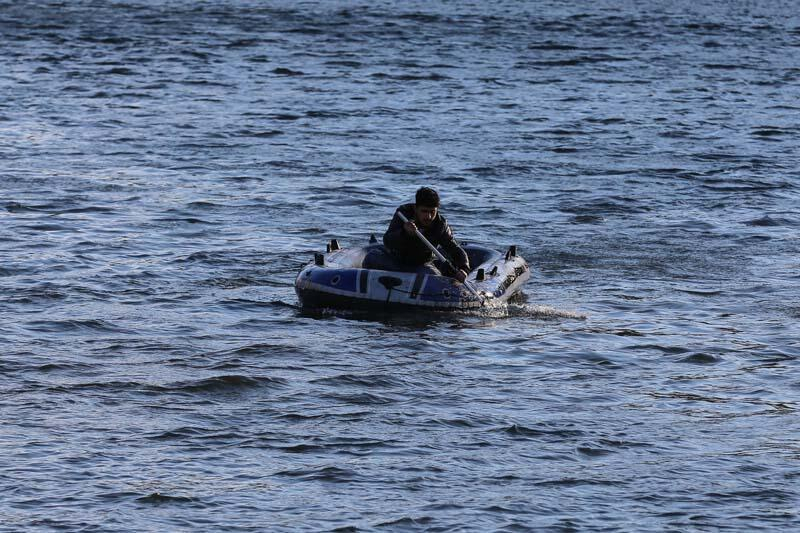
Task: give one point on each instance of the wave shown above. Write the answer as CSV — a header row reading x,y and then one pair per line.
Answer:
x,y
325,473
768,221
67,326
213,385
520,431
365,380
225,383
160,499
363,398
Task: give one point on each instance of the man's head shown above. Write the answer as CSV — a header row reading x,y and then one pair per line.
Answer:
x,y
427,206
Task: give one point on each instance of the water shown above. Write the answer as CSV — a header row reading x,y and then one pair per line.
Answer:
x,y
167,168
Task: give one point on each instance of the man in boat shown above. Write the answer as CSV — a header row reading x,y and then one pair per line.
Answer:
x,y
408,250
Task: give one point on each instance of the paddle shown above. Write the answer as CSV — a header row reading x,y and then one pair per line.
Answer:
x,y
443,259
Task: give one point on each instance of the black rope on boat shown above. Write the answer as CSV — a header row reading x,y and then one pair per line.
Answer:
x,y
418,293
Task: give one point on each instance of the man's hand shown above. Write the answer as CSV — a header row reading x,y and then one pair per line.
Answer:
x,y
410,228
460,275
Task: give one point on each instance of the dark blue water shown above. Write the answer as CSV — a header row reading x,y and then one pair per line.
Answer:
x,y
168,167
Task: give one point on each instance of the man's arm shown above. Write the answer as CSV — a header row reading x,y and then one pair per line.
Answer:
x,y
453,249
395,236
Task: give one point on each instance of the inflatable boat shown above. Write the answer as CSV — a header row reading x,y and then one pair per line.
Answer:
x,y
337,280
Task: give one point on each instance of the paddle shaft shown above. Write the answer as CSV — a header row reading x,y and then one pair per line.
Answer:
x,y
440,257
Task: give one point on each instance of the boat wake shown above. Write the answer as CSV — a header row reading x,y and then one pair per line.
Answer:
x,y
525,310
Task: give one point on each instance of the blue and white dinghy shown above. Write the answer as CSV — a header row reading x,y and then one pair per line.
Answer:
x,y
337,279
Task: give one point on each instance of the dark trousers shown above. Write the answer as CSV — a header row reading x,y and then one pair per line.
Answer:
x,y
379,258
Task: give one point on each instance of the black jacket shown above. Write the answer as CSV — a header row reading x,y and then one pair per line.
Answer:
x,y
411,250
